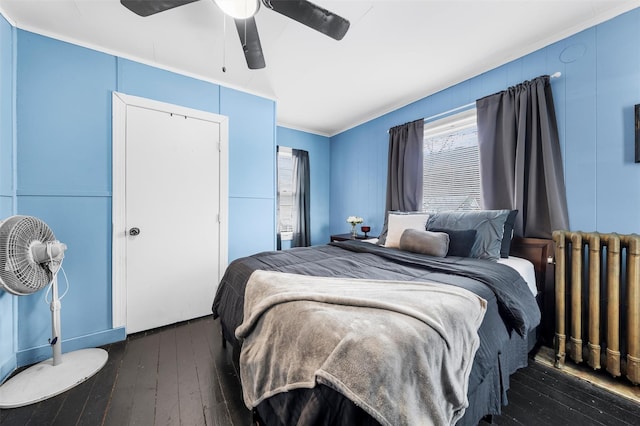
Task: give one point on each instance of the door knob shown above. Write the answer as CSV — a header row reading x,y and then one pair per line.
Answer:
x,y
134,231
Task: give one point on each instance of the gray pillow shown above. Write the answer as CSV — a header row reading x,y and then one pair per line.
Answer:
x,y
489,226
425,242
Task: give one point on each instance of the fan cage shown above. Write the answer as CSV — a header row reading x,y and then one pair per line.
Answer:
x,y
19,273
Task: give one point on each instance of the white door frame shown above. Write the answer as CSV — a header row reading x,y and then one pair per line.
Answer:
x,y
120,102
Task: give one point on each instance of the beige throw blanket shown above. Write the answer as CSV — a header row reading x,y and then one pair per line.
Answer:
x,y
400,350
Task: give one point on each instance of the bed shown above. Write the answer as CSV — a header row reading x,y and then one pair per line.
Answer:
x,y
506,331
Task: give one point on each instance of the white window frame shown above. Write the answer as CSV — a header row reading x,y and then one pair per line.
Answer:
x,y
284,151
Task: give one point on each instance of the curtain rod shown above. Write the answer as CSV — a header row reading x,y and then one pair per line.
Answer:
x,y
470,104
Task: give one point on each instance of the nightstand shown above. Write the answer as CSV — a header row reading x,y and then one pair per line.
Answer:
x,y
345,237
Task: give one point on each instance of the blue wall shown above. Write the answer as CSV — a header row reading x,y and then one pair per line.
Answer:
x,y
594,99
251,172
8,303
319,165
63,131
63,174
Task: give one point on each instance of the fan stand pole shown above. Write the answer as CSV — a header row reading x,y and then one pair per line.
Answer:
x,y
56,336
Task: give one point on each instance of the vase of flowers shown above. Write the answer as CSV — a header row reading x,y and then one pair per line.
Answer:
x,y
354,220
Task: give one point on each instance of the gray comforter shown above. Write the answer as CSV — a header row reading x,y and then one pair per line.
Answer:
x,y
511,309
347,334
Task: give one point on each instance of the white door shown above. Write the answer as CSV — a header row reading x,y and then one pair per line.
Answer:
x,y
172,225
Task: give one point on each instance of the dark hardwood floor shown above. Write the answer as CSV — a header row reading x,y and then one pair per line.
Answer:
x,y
181,375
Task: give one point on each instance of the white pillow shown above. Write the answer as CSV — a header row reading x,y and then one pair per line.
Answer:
x,y
397,223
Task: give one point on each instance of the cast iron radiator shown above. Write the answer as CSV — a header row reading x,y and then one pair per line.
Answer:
x,y
598,298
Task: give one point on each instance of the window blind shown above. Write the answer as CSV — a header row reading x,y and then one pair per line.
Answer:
x,y
451,173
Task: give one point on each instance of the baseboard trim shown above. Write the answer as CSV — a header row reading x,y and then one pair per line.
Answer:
x,y
40,353
602,379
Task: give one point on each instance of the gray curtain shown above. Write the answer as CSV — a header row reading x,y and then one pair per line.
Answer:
x,y
520,158
404,171
301,202
404,174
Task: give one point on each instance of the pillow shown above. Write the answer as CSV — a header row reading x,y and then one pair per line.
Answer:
x,y
425,242
460,242
505,248
385,228
489,226
397,223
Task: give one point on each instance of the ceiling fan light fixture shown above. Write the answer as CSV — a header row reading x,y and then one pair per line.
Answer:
x,y
238,9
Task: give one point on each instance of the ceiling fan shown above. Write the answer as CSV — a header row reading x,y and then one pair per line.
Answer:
x,y
243,12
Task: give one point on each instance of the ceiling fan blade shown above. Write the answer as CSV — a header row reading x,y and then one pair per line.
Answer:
x,y
248,32
150,7
312,16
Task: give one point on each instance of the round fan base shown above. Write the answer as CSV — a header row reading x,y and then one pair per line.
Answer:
x,y
42,381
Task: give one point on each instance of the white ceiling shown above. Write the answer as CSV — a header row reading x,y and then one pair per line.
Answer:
x,y
395,52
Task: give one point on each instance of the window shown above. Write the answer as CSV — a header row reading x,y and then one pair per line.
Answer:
x,y
451,174
285,193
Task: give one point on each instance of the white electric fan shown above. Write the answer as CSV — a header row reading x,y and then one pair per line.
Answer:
x,y
30,258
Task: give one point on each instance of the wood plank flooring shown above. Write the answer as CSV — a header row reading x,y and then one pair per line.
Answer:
x,y
181,375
